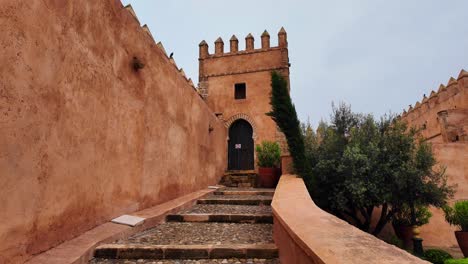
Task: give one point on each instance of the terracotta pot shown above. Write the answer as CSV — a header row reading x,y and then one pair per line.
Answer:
x,y
405,234
462,238
267,177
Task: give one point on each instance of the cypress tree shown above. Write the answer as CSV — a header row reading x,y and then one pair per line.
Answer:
x,y
284,114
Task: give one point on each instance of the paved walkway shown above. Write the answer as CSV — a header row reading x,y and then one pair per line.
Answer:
x,y
232,225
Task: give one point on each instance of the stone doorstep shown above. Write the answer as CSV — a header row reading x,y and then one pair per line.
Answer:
x,y
136,251
80,250
266,193
223,218
236,201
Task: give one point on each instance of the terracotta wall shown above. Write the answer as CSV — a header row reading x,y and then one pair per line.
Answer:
x,y
83,137
220,72
442,119
306,234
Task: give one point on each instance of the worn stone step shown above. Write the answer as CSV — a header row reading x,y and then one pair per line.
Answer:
x,y
224,218
186,261
236,199
198,233
245,191
139,251
227,209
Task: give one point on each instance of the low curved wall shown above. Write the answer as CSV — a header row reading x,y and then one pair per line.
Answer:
x,y
306,234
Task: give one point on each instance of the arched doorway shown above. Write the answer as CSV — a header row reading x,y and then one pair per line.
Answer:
x,y
240,146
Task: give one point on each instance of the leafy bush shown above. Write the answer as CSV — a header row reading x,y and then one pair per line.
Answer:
x,y
268,154
436,256
456,261
403,217
394,240
363,164
458,215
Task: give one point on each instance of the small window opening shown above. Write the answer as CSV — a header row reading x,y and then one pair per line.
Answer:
x,y
240,91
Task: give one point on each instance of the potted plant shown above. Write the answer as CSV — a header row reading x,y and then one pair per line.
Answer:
x,y
458,216
402,223
268,159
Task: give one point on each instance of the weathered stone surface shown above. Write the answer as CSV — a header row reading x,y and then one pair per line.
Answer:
x,y
139,251
203,234
237,200
186,261
227,209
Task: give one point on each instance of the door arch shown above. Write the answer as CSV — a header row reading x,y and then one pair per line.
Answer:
x,y
240,146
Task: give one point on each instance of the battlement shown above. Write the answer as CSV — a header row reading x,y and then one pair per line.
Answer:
x,y
249,45
145,29
443,115
444,93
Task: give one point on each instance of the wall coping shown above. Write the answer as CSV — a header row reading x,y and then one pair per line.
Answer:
x,y
323,237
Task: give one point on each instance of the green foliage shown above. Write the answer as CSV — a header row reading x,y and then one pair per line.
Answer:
x,y
284,114
436,256
268,154
394,240
458,215
403,217
456,261
363,164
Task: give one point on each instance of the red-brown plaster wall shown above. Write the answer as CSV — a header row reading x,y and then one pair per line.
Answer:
x,y
452,155
84,138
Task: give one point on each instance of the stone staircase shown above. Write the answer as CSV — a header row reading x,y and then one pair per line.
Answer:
x,y
231,225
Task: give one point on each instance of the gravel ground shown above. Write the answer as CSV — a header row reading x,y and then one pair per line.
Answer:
x,y
200,261
227,209
203,234
238,197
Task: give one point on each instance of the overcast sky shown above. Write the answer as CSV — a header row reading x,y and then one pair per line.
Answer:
x,y
376,55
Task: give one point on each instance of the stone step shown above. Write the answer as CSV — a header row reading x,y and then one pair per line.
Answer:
x,y
227,209
139,251
186,261
245,191
223,218
236,199
197,233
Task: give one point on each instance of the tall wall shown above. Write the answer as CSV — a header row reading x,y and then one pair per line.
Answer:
x,y
84,137
442,119
219,72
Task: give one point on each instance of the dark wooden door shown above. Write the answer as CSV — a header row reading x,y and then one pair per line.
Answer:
x,y
240,146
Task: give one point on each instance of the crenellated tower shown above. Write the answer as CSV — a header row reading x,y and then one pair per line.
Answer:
x,y
236,85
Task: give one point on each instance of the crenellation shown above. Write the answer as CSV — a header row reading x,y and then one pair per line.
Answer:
x,y
249,42
161,46
129,8
234,44
147,31
203,47
282,38
219,47
249,45
265,40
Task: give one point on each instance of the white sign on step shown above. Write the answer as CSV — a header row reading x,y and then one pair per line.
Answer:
x,y
238,146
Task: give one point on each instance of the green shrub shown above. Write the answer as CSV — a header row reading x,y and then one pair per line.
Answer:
x,y
268,154
458,215
403,217
436,256
456,261
394,240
